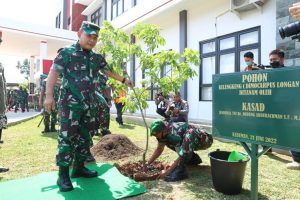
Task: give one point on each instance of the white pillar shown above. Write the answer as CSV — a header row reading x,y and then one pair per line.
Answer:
x,y
43,55
31,76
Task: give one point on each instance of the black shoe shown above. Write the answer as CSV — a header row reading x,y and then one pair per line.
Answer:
x,y
52,129
1,141
80,170
46,131
178,174
195,160
3,169
105,132
97,133
64,182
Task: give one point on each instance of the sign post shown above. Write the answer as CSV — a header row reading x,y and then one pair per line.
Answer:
x,y
258,107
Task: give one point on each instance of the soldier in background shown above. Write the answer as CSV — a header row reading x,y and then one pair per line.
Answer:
x,y
104,104
17,99
49,125
23,99
3,119
102,118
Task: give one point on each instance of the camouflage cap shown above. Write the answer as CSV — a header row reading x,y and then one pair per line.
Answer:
x,y
43,76
90,28
156,126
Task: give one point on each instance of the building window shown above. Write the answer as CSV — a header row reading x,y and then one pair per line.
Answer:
x,y
97,16
225,54
120,6
57,21
154,88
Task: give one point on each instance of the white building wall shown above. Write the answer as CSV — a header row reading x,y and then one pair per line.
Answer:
x,y
201,26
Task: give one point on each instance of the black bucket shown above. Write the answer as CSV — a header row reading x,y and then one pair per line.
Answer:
x,y
227,176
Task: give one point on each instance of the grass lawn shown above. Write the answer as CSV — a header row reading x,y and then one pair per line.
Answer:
x,y
26,151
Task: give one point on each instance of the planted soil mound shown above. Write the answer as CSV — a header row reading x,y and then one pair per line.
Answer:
x,y
136,170
114,147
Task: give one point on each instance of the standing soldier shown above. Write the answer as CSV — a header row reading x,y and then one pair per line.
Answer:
x,y
18,99
104,104
26,100
54,112
23,98
8,100
79,67
13,99
3,119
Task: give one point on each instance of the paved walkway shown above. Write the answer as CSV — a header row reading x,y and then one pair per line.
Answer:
x,y
13,118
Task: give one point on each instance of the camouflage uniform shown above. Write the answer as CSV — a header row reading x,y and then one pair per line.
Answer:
x,y
18,99
79,70
54,112
3,119
185,139
102,110
23,99
13,99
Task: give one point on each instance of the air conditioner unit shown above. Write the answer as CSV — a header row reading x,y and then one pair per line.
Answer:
x,y
245,5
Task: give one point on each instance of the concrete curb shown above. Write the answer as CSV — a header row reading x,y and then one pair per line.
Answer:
x,y
22,120
137,120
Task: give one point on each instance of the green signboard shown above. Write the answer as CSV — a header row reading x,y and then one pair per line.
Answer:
x,y
260,107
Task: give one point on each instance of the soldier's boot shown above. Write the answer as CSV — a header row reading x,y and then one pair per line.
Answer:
x,y
46,130
105,132
79,170
46,123
90,158
3,169
53,127
64,182
179,173
195,160
96,133
1,141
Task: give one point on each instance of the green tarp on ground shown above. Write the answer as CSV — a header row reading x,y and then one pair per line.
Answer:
x,y
110,184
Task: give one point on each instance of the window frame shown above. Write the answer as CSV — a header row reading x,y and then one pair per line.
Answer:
x,y
113,2
152,87
98,16
58,20
236,50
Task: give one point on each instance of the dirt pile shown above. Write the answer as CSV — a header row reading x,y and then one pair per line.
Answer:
x,y
114,147
136,171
